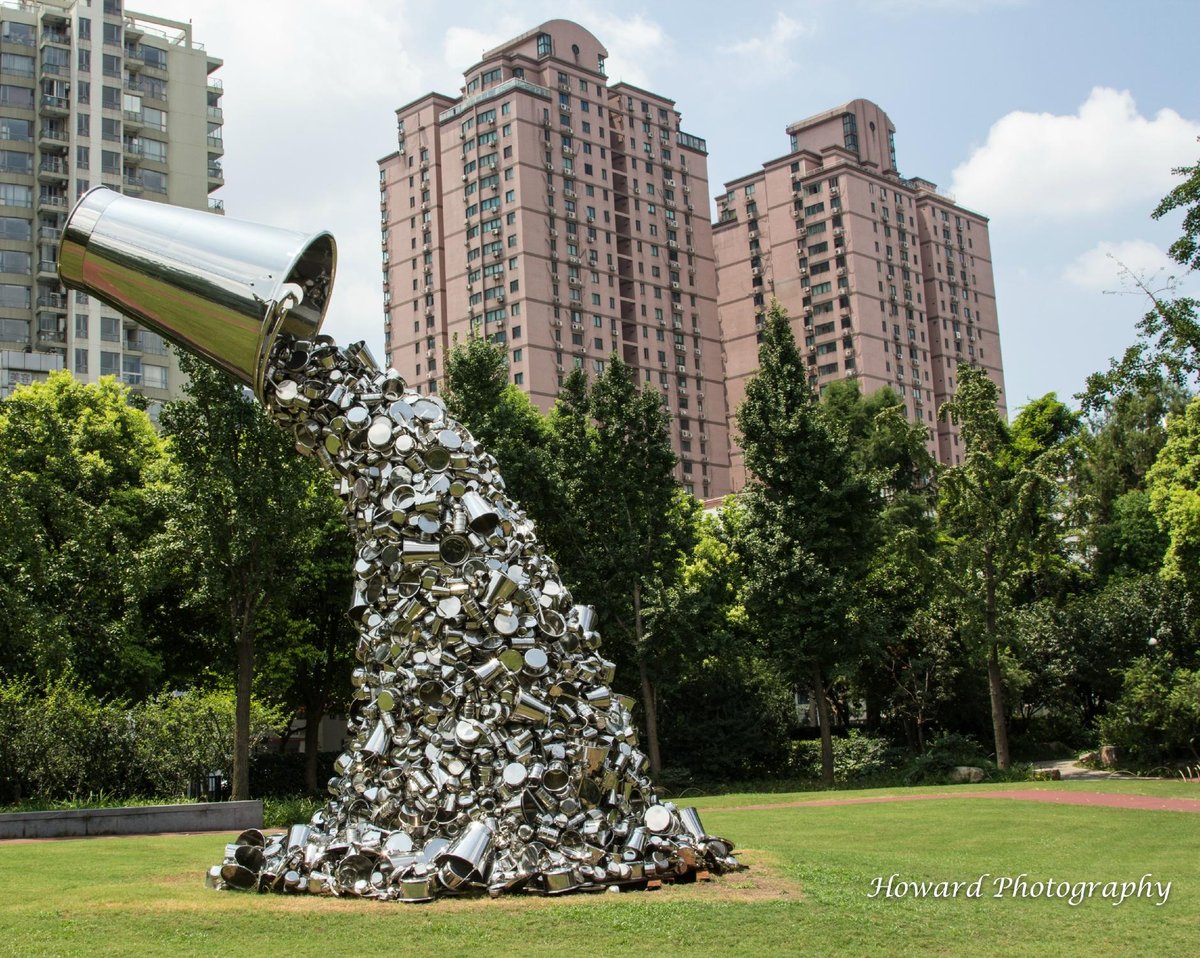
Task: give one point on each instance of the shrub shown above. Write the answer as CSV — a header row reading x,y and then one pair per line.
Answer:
x,y
182,737
855,758
1157,717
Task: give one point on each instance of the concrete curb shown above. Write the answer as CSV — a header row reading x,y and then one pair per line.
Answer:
x,y
135,820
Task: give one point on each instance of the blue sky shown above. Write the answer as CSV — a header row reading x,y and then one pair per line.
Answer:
x,y
1059,120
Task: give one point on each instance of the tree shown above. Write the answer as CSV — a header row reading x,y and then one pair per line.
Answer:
x,y
81,492
307,641
808,527
621,520
900,579
1174,485
233,533
502,417
999,513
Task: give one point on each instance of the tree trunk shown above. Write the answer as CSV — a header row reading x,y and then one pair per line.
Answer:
x,y
649,705
826,727
312,742
995,682
241,732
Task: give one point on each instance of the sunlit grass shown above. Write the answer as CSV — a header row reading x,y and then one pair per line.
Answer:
x,y
806,893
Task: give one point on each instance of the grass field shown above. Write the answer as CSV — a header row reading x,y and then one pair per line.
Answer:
x,y
805,894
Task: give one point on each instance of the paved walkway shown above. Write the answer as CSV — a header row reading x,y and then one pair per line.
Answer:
x,y
1096,799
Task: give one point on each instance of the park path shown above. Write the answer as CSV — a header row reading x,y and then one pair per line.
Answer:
x,y
1147,803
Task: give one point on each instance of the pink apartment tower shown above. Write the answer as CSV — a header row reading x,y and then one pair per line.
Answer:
x,y
885,279
566,218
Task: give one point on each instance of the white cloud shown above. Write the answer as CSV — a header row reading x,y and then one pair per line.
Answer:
x,y
1109,267
1103,158
772,52
634,43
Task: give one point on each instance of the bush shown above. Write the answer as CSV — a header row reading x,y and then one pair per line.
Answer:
x,y
65,744
1157,717
182,737
944,754
856,757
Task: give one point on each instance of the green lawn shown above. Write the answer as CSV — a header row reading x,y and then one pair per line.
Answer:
x,y
806,893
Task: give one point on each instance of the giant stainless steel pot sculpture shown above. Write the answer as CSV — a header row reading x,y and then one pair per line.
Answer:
x,y
486,747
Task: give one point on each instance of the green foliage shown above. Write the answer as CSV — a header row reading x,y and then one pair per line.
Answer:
x,y
289,810
807,529
502,418
1000,518
856,758
1174,484
182,737
1157,718
233,536
64,743
80,494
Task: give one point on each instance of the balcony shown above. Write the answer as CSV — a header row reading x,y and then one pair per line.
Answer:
x,y
133,185
217,144
52,302
54,105
52,337
133,119
215,113
52,169
53,138
133,150
47,269
216,206
55,200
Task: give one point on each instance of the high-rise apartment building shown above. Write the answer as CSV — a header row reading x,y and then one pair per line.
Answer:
x,y
567,218
90,95
885,278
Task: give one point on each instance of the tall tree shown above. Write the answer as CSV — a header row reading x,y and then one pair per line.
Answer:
x,y
81,493
504,420
307,640
622,520
1174,485
808,526
999,514
234,529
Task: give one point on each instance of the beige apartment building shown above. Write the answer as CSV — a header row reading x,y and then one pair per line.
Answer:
x,y
567,218
885,278
92,94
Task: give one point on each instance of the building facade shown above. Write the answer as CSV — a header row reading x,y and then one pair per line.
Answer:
x,y
566,218
92,94
886,279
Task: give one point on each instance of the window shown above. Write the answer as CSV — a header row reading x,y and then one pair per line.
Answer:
x,y
110,129
14,228
112,34
110,329
81,361
19,130
14,297
22,33
13,195
16,96
13,162
155,377
14,261
110,364
545,45
17,65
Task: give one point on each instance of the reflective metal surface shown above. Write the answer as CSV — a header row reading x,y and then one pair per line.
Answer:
x,y
487,749
216,286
